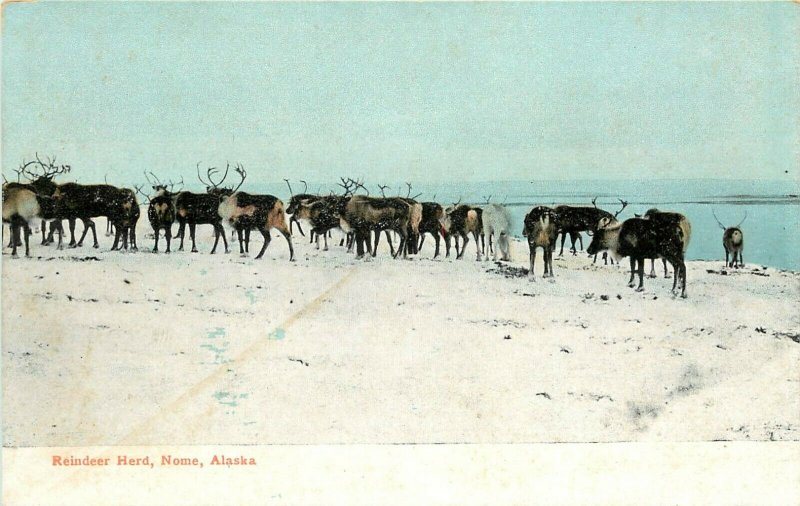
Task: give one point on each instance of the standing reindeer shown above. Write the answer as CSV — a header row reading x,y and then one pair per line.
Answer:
x,y
161,209
20,206
733,242
85,202
432,214
541,230
639,239
202,209
244,212
40,176
460,220
497,223
576,219
674,219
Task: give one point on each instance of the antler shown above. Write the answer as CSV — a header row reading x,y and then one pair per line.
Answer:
x,y
487,199
242,173
214,170
594,202
740,223
305,186
201,177
360,184
723,227
383,189
138,189
624,205
290,187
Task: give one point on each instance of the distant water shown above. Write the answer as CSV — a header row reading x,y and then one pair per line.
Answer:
x,y
771,228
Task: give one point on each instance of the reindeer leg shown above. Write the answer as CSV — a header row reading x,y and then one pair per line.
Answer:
x,y
463,245
44,229
377,240
27,231
72,242
15,239
563,240
326,243
550,261
288,236
683,274
60,231
447,245
168,235
94,235
741,261
240,239
652,268
580,239
633,272
181,232
640,288
191,234
477,249
438,239
666,273
267,239
155,246
531,274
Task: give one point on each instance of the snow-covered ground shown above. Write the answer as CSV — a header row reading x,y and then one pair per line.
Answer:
x,y
107,348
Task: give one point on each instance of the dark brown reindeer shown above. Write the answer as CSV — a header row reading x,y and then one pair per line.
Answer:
x,y
541,230
161,208
733,242
323,214
674,219
202,208
576,219
245,211
85,202
640,238
432,214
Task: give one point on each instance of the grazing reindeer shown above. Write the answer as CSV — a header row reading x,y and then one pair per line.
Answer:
x,y
20,206
85,202
639,239
244,212
202,209
733,242
574,220
671,218
432,214
322,214
497,222
462,220
541,230
295,201
364,214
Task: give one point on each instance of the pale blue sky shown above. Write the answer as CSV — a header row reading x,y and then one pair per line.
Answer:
x,y
423,92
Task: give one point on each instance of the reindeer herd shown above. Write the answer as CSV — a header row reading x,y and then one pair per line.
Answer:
x,y
361,216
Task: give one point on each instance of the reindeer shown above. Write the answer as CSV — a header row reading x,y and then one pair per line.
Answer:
x,y
41,177
244,212
672,218
85,202
20,206
640,238
497,222
573,220
541,229
462,220
364,214
733,242
295,201
432,214
161,208
323,214
202,208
